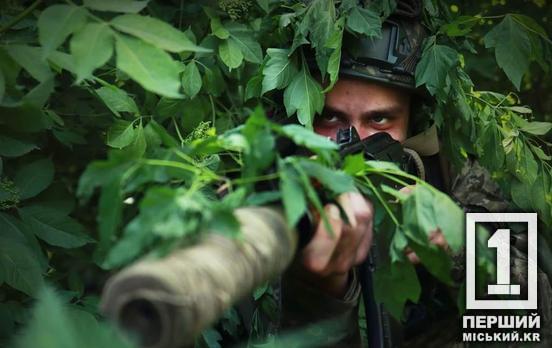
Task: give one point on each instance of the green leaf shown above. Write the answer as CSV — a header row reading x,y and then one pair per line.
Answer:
x,y
53,227
490,142
156,32
263,198
62,60
521,195
305,97
398,245
230,54
231,321
109,217
10,228
164,213
91,47
35,177
540,195
138,146
293,197
460,26
211,338
57,325
191,79
537,128
214,81
218,29
38,96
512,48
19,267
57,196
364,21
15,147
354,164
135,239
520,109
224,223
319,21
24,118
123,6
306,137
521,162
263,4
2,85
278,71
424,212
100,173
56,23
392,296
249,46
117,100
434,66
259,152
14,229
527,167
121,134
151,67
334,180
335,42
253,87
29,58
9,67
167,139
539,153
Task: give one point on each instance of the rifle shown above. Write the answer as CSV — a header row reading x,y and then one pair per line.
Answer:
x,y
167,302
381,329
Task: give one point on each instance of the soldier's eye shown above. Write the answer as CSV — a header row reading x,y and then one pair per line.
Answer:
x,y
380,120
330,118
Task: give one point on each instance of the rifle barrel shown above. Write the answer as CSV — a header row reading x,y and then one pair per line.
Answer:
x,y
168,302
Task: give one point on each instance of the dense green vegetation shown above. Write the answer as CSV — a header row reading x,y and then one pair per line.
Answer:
x,y
120,119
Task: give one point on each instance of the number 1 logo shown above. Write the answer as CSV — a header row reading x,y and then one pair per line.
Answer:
x,y
500,240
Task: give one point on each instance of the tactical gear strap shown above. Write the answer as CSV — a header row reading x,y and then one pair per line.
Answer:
x,y
420,169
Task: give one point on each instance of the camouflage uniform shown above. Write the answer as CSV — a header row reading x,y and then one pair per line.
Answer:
x,y
474,190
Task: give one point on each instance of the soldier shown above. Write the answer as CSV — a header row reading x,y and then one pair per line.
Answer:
x,y
376,93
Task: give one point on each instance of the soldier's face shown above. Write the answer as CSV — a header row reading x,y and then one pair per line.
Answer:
x,y
369,107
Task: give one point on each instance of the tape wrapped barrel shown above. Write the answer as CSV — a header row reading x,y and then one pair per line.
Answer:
x,y
167,302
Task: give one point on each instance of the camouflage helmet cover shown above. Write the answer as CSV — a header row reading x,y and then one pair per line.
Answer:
x,y
391,58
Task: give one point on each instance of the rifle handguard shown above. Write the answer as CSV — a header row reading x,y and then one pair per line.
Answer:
x,y
168,302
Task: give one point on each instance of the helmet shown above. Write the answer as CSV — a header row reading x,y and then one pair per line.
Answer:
x,y
392,58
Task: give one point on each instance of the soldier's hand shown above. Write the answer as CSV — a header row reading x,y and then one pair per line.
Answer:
x,y
435,237
329,258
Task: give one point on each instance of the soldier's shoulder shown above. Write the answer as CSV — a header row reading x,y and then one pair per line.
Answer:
x,y
473,187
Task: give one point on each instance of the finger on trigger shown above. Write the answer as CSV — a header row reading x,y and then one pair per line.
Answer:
x,y
345,202
365,244
320,249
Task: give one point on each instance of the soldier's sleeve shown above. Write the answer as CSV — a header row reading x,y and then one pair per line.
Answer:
x,y
323,320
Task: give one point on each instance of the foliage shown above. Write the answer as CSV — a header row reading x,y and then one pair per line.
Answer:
x,y
55,324
141,110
